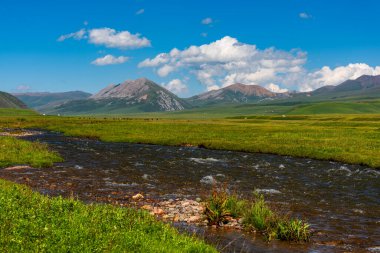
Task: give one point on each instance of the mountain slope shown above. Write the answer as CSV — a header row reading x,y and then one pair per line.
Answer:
x,y
9,101
364,88
132,96
46,101
235,93
362,85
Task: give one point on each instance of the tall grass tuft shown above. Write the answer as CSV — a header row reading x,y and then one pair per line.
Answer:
x,y
259,215
293,230
216,207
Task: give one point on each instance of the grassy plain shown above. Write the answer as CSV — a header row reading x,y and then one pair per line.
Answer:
x,y
346,138
30,222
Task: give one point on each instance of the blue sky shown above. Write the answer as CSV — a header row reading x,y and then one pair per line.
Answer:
x,y
279,44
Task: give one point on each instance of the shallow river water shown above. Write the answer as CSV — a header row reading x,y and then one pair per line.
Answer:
x,y
341,202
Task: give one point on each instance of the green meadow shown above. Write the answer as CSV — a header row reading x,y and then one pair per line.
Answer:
x,y
349,138
30,222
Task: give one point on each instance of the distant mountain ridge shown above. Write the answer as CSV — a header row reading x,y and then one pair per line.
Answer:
x,y
45,101
143,95
362,83
235,93
140,95
9,101
363,87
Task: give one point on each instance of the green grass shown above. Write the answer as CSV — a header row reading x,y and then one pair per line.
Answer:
x,y
346,138
15,151
30,222
261,217
337,108
256,215
17,112
217,207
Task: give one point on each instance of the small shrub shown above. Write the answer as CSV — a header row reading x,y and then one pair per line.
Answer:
x,y
216,209
236,206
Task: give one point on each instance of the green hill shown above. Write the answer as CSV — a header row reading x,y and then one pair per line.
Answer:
x,y
9,101
337,108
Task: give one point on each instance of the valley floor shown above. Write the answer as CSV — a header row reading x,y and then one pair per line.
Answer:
x,y
349,138
32,222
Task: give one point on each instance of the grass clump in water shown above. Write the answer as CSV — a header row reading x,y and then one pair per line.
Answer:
x,y
222,205
216,207
293,230
257,215
30,222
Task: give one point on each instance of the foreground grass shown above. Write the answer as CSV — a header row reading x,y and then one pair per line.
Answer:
x,y
349,138
35,223
15,151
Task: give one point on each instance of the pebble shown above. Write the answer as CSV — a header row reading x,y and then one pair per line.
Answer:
x,y
138,196
183,210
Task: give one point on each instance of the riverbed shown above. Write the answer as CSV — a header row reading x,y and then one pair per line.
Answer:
x,y
340,201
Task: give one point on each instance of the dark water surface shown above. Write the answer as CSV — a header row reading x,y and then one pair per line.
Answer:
x,y
341,202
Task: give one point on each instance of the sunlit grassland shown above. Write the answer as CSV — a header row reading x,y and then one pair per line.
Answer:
x,y
348,138
17,112
15,151
30,222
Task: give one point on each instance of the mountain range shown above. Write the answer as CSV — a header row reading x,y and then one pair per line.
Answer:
x,y
132,96
47,101
143,95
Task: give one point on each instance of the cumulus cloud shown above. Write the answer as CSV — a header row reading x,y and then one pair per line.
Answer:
x,y
176,86
79,35
305,15
227,61
275,88
207,21
113,39
327,76
109,60
139,12
109,37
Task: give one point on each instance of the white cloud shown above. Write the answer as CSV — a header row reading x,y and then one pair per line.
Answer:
x,y
139,12
228,61
204,35
328,76
109,60
165,70
79,35
207,21
113,39
176,86
275,88
23,88
305,15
